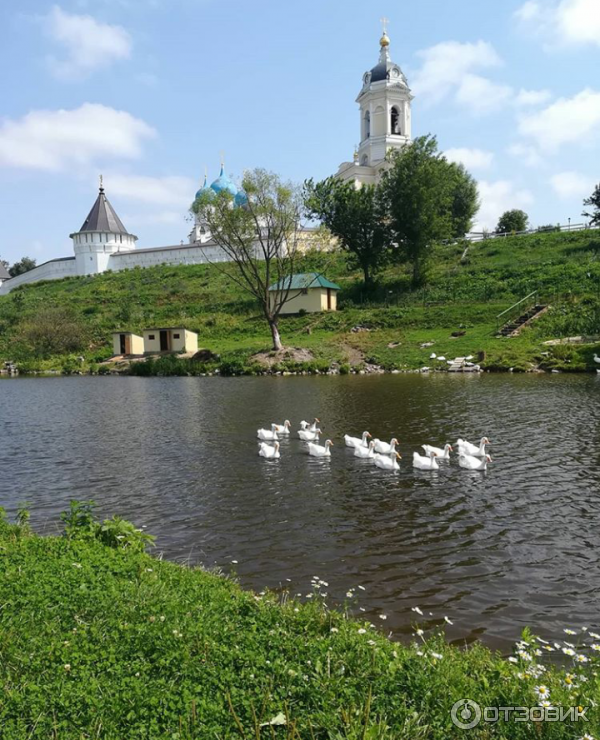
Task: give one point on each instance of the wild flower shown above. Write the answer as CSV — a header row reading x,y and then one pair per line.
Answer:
x,y
542,691
362,631
581,659
349,594
77,565
420,632
546,704
437,656
416,609
544,642
569,644
595,635
549,648
569,632
362,588
587,736
595,646
67,667
512,659
568,682
370,642
334,629
235,562
525,655
448,621
568,651
537,669
382,616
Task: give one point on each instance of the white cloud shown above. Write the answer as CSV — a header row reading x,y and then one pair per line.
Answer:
x,y
173,191
481,95
88,44
445,65
473,159
527,155
526,98
529,11
496,198
62,139
565,22
572,185
567,121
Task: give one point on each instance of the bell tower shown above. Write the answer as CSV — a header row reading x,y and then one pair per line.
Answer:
x,y
385,117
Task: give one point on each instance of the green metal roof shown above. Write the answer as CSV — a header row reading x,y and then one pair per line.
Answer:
x,y
304,280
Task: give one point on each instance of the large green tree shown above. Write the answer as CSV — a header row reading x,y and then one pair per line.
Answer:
x,y
260,239
514,220
427,199
594,202
356,216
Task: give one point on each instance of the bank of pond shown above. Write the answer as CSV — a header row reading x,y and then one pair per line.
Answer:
x,y
102,640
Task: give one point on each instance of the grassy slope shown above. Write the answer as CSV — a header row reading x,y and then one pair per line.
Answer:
x,y
564,267
106,643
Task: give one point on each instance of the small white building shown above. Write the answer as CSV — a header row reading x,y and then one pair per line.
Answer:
x,y
308,291
4,274
126,343
170,339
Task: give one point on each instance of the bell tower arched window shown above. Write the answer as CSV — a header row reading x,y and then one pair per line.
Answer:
x,y
395,122
367,125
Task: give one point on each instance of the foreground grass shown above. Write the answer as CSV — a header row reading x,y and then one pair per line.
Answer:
x,y
463,294
107,642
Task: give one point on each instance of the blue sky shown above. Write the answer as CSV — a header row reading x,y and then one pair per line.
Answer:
x,y
148,92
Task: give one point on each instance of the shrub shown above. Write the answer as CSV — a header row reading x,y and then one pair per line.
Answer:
x,y
116,532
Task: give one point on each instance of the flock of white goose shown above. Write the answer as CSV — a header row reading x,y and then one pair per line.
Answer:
x,y
382,454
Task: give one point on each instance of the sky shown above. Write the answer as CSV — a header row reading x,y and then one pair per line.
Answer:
x,y
150,92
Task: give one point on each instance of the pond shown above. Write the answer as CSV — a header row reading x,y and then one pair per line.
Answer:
x,y
493,551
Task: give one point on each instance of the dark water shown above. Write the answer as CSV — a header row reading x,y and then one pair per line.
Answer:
x,y
515,546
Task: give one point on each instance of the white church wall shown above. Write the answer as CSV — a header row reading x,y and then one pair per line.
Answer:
x,y
183,255
53,270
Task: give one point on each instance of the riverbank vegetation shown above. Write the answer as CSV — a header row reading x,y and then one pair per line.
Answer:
x,y
101,640
468,286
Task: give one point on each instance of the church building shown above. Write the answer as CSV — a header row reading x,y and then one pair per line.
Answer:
x,y
385,122
103,243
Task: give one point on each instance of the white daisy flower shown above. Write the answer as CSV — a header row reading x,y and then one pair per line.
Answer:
x,y
416,609
437,656
382,616
595,646
448,621
362,631
512,659
420,633
545,704
568,651
581,659
525,655
595,635
542,691
569,632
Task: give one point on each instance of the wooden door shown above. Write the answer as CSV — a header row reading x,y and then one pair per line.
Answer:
x,y
164,340
329,299
123,344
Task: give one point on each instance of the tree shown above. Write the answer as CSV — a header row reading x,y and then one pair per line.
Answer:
x,y
427,199
355,216
53,330
515,220
594,201
260,238
22,266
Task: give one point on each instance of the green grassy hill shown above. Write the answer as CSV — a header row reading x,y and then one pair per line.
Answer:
x,y
463,294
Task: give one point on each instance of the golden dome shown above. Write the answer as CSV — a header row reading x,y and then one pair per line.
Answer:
x,y
385,40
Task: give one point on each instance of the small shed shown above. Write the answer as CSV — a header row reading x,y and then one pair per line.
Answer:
x,y
309,291
170,339
126,343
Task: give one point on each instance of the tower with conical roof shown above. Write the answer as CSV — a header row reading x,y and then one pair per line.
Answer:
x,y
385,117
101,236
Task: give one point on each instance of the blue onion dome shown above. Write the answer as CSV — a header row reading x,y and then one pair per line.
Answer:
x,y
204,188
223,183
241,199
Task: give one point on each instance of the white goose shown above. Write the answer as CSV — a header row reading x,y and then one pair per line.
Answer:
x,y
425,463
308,435
268,451
383,448
284,428
441,454
473,463
270,436
365,452
469,449
357,441
320,450
596,358
387,462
